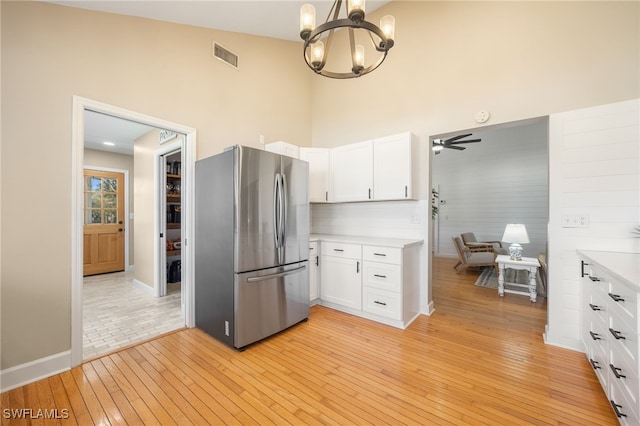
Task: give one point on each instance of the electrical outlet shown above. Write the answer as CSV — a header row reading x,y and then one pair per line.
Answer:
x,y
575,221
415,219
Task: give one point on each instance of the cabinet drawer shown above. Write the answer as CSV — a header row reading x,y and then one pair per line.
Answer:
x,y
381,302
382,254
623,372
597,306
383,276
626,411
351,251
622,336
624,300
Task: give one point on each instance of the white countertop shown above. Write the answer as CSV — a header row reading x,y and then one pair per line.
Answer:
x,y
624,266
370,241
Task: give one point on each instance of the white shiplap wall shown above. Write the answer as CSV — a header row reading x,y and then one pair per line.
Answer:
x,y
594,170
501,180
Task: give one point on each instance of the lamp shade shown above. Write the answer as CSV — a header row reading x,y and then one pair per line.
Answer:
x,y
515,233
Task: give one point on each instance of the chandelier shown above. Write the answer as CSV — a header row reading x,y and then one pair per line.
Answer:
x,y
316,51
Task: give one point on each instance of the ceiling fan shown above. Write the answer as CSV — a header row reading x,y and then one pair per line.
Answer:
x,y
452,143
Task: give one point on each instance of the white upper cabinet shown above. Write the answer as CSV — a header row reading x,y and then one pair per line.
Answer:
x,y
352,172
318,159
395,168
283,148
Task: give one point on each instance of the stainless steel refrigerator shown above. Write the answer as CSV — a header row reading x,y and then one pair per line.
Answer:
x,y
251,244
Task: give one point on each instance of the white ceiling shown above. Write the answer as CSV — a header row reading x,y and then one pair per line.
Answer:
x,y
268,18
244,16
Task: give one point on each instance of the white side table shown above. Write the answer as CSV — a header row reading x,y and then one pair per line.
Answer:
x,y
530,264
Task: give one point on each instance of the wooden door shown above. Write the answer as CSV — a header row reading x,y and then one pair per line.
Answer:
x,y
103,222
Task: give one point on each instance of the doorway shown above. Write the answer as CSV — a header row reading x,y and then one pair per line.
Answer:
x,y
80,105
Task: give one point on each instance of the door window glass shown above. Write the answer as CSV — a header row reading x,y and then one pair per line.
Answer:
x,y
101,201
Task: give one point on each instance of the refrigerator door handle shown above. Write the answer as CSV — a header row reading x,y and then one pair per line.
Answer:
x,y
279,274
284,201
276,210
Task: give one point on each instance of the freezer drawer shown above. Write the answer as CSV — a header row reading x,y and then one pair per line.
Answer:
x,y
268,301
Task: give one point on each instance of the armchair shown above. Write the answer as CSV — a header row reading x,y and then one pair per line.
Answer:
x,y
468,258
470,241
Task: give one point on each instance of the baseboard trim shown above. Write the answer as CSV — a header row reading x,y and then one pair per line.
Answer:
x,y
32,371
142,286
561,342
430,309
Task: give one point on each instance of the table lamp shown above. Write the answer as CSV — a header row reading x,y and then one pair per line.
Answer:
x,y
516,234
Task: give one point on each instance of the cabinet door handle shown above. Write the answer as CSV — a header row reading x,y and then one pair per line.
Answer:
x,y
595,336
326,196
379,254
317,261
380,303
594,278
616,409
357,267
594,364
406,192
594,307
379,276
616,372
616,297
617,334
582,265
369,193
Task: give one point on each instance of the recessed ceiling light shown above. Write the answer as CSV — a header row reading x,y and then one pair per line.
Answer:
x,y
109,143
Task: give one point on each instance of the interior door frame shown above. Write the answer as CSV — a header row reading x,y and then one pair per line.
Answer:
x,y
160,195
127,266
81,104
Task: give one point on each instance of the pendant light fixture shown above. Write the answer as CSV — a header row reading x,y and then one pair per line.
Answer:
x,y
318,39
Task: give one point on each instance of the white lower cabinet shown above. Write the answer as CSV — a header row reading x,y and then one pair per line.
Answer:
x,y
340,272
314,279
610,331
376,282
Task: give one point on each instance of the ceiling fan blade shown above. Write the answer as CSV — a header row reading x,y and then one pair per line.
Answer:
x,y
459,148
455,138
467,141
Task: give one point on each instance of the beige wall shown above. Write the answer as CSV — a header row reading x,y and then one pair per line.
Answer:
x,y
51,53
143,193
516,59
451,59
96,158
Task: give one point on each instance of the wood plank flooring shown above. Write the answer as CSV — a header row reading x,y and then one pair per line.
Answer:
x,y
479,359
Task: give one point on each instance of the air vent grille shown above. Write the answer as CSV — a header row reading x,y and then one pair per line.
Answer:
x,y
224,55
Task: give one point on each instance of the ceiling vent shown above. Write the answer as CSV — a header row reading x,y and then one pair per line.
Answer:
x,y
224,55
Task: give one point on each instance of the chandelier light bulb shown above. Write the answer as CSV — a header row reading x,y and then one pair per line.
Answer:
x,y
355,10
317,53
359,56
388,26
307,20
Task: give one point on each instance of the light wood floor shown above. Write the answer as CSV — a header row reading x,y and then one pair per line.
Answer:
x,y
479,359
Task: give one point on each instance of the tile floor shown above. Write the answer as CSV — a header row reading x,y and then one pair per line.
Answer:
x,y
116,313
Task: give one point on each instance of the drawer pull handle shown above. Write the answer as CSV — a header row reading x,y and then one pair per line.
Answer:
x,y
379,276
615,408
617,334
338,250
380,303
379,254
616,297
357,267
594,278
594,364
595,336
594,307
582,265
616,371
